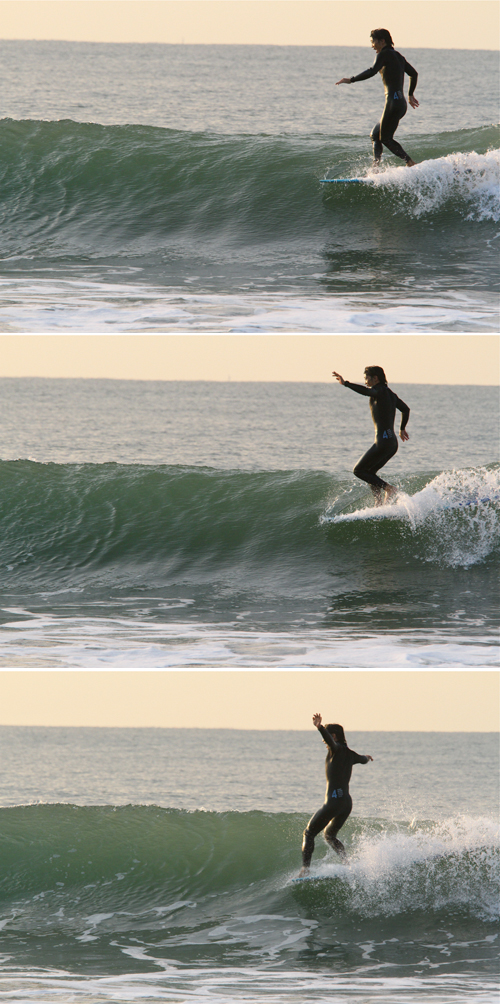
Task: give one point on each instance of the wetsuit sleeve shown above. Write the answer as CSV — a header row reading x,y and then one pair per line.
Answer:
x,y
357,758
328,739
366,74
413,75
359,388
405,412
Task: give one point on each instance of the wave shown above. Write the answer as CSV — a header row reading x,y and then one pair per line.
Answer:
x,y
72,188
77,523
106,869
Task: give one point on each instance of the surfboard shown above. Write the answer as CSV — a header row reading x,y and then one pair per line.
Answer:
x,y
394,511
319,878
373,512
342,181
311,878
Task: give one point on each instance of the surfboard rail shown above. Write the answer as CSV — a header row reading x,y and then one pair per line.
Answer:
x,y
342,181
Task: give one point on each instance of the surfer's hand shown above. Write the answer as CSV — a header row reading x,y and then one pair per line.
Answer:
x,y
345,80
413,101
404,435
338,377
316,719
368,757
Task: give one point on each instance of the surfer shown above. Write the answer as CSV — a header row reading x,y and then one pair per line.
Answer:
x,y
338,802
383,404
392,67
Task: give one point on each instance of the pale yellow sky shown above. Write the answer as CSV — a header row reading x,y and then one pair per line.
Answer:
x,y
449,24
434,701
436,359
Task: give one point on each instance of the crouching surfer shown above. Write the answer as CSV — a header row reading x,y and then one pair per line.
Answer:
x,y
338,802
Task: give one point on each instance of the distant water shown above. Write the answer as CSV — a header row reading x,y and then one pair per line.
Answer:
x,y
157,864
190,524
176,188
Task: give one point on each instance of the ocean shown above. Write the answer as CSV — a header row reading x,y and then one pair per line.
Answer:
x,y
158,864
161,524
177,188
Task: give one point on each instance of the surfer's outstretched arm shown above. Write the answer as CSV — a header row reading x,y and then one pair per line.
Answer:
x,y
366,74
360,388
366,391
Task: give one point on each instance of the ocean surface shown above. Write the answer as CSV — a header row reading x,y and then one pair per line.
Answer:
x,y
177,524
158,864
177,188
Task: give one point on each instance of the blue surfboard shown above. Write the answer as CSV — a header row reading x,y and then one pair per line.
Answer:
x,y
342,181
388,511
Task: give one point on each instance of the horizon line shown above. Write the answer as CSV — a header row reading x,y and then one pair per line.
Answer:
x,y
225,728
266,45
330,382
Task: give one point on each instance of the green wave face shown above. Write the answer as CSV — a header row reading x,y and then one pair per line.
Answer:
x,y
90,523
178,545
76,189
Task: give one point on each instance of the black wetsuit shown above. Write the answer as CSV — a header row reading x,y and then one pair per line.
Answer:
x,y
392,66
383,404
338,802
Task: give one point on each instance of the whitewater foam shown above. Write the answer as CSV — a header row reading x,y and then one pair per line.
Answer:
x,y
61,642
63,304
460,508
470,179
445,865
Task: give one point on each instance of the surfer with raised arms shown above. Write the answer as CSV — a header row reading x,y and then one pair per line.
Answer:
x,y
392,67
383,404
338,802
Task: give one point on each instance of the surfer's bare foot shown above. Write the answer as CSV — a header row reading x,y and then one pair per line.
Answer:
x,y
377,498
303,872
410,163
390,493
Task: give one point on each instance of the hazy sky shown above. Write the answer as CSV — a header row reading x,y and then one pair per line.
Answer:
x,y
449,24
438,359
456,701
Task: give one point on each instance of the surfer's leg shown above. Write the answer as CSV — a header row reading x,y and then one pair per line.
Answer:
x,y
370,463
393,112
375,136
314,826
333,828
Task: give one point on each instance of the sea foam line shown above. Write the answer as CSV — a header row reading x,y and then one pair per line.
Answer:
x,y
42,641
62,304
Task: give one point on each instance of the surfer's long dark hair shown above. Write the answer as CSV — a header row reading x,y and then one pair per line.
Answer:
x,y
382,35
377,371
337,730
